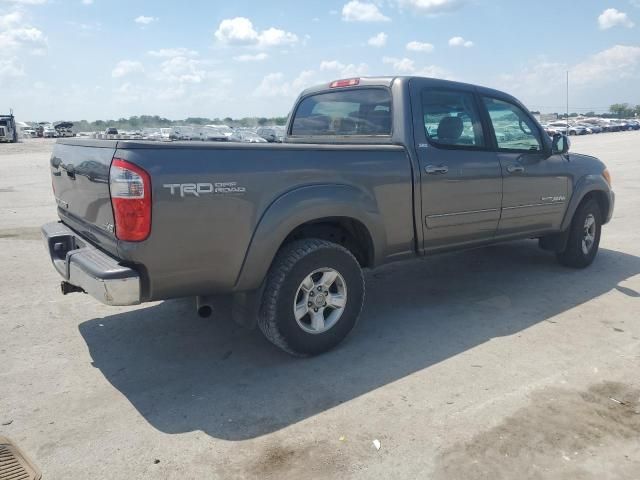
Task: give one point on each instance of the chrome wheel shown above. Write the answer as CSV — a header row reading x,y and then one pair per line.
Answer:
x,y
320,300
589,235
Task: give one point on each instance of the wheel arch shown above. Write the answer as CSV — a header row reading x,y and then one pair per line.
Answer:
x,y
320,211
589,186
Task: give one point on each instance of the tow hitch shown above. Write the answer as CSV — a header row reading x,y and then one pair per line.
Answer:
x,y
67,288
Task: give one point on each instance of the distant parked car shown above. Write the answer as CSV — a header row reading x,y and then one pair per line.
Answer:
x,y
593,127
111,131
561,127
245,136
226,130
212,133
50,132
271,134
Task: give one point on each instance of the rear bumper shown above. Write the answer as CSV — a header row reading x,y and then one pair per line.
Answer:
x,y
84,266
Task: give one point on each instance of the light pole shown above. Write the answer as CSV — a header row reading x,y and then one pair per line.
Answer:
x,y
567,102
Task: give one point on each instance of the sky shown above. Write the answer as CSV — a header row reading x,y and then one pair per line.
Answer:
x,y
99,59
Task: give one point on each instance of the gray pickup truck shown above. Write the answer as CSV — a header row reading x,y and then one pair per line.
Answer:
x,y
373,170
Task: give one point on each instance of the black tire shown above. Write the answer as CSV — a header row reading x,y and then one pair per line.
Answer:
x,y
574,254
293,263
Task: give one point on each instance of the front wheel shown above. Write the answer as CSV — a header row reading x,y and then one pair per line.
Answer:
x,y
584,236
313,296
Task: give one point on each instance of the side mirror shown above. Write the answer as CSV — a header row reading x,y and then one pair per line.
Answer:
x,y
560,144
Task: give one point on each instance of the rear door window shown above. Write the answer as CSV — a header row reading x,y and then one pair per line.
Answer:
x,y
357,112
451,119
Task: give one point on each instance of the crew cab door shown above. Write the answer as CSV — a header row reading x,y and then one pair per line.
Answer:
x,y
460,177
535,186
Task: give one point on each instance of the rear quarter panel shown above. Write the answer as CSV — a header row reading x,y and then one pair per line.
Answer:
x,y
199,244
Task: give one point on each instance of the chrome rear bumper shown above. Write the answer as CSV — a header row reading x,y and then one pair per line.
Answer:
x,y
90,269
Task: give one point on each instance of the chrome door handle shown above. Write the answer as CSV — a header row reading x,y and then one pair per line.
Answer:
x,y
436,170
515,169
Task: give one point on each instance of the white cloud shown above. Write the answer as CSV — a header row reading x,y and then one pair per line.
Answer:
x,y
240,31
272,37
615,63
126,67
420,47
344,70
406,66
18,37
612,17
9,68
432,7
276,85
258,57
400,65
87,2
598,80
10,19
173,52
183,70
379,40
144,20
272,85
433,71
356,11
460,42
237,31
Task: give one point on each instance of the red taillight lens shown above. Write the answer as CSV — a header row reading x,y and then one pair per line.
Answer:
x,y
348,82
130,188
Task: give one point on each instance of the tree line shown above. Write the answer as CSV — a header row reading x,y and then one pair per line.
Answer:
x,y
624,110
155,121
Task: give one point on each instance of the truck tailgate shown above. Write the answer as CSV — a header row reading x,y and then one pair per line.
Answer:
x,y
80,177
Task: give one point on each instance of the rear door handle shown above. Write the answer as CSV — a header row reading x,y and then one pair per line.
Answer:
x,y
436,170
515,169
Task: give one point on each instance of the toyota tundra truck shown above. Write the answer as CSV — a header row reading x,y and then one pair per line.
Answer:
x,y
372,170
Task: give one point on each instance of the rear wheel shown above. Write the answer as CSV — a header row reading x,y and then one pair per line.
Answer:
x,y
313,297
584,236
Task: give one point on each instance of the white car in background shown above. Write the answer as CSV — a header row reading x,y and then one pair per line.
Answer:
x,y
50,132
226,130
561,127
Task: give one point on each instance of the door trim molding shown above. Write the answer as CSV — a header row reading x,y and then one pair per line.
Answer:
x,y
440,215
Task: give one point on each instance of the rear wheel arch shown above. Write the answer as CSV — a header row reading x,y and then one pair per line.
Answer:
x,y
346,231
315,211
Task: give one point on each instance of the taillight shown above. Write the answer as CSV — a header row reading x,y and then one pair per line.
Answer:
x,y
347,82
130,188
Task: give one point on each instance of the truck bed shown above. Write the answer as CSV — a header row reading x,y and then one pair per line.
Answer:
x,y
199,244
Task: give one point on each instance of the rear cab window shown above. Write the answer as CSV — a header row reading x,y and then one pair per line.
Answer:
x,y
354,112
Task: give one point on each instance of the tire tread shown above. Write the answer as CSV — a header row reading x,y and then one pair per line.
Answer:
x,y
288,256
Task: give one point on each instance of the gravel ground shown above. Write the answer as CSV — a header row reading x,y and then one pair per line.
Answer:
x,y
495,363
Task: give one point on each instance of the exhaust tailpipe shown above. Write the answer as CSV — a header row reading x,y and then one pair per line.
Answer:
x,y
203,307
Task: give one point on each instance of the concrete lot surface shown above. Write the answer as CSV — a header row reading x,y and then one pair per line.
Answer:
x,y
495,363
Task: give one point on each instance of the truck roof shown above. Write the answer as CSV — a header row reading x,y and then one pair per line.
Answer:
x,y
387,81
